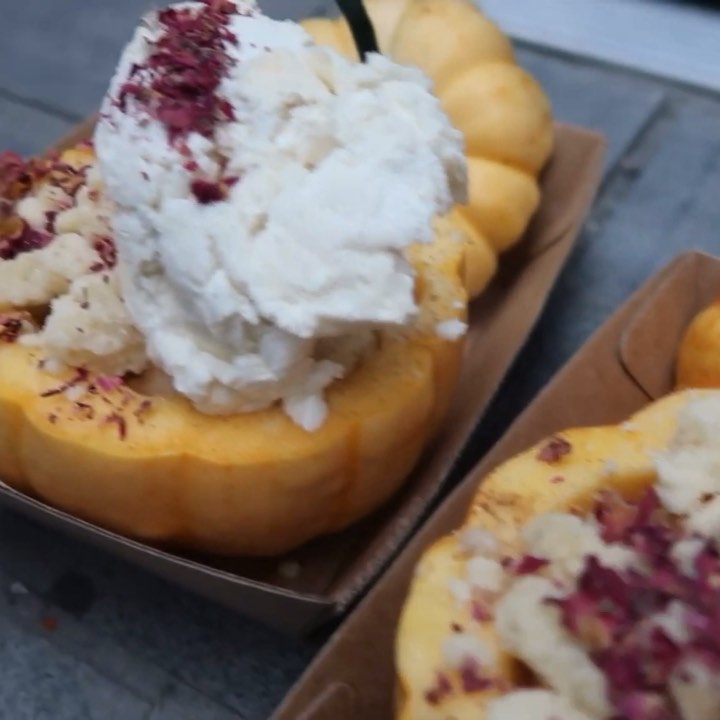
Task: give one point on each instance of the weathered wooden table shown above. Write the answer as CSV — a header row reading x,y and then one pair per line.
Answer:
x,y
83,636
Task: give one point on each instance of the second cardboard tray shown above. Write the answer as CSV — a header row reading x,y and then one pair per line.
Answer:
x,y
298,593
627,363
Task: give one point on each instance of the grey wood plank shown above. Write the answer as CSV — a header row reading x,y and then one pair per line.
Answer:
x,y
617,104
26,130
144,632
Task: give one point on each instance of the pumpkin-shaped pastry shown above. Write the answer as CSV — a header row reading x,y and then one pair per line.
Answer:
x,y
502,112
233,321
582,584
131,454
698,361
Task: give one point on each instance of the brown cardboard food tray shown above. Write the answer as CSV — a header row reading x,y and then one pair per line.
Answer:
x,y
627,363
334,571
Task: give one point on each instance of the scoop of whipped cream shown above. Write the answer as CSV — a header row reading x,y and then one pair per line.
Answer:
x,y
266,190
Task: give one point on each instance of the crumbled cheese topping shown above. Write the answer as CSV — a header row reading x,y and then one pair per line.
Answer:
x,y
39,276
689,471
531,629
89,327
533,705
485,574
476,541
74,274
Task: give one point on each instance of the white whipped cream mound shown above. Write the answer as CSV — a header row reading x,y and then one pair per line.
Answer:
x,y
340,167
533,705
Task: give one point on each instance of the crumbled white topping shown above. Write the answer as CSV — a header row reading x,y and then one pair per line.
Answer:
x,y
89,327
567,540
451,329
39,276
476,541
36,277
88,324
533,705
485,574
698,422
341,167
460,647
684,553
460,590
532,630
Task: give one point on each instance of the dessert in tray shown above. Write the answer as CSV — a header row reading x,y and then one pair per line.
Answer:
x,y
234,319
583,584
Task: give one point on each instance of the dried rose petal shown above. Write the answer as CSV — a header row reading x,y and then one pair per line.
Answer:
x,y
12,325
480,612
119,421
80,376
604,583
17,237
178,84
472,678
86,410
50,217
440,690
108,383
529,565
107,251
554,450
207,192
